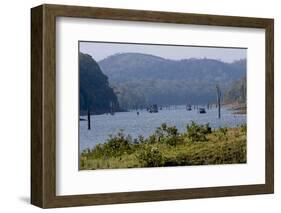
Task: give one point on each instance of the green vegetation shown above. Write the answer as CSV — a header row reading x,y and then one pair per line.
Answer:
x,y
198,133
95,93
237,92
141,79
134,80
236,96
198,145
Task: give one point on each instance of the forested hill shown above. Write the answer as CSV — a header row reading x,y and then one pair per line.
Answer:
x,y
237,92
136,66
94,92
146,79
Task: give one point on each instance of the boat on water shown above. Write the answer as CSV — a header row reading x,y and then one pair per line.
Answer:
x,y
202,110
153,108
188,107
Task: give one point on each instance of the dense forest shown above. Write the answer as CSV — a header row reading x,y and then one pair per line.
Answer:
x,y
142,79
134,80
95,93
237,92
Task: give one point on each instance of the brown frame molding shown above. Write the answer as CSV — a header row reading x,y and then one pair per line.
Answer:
x,y
43,105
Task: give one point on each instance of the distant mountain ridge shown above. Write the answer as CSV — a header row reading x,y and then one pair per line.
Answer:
x,y
152,79
129,66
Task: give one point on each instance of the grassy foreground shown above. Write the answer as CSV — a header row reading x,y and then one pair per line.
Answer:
x,y
198,145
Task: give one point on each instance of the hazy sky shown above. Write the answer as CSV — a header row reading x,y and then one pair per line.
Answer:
x,y
100,51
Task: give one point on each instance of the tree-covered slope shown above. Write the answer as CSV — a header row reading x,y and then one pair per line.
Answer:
x,y
237,92
94,90
131,66
142,78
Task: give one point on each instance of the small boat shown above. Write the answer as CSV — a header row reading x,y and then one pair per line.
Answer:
x,y
201,110
188,107
153,108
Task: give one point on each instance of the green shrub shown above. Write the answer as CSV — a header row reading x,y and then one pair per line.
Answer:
x,y
115,146
150,156
243,128
152,139
118,145
168,135
198,133
222,133
167,147
139,140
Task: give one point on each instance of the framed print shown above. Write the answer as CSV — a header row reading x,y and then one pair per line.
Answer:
x,y
136,106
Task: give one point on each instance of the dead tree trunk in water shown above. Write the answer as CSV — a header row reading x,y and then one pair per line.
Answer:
x,y
219,100
89,119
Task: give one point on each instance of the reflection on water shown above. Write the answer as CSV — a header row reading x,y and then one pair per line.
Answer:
x,y
145,123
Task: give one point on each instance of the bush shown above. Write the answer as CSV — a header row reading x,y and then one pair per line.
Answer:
x,y
197,133
118,145
158,150
150,156
168,135
152,139
243,128
222,133
139,140
115,146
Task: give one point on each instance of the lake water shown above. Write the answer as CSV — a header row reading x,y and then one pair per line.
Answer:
x,y
145,123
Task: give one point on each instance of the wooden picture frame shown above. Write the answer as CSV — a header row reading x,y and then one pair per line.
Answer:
x,y
43,105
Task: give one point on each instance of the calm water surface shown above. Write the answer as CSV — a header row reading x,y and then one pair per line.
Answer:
x,y
145,123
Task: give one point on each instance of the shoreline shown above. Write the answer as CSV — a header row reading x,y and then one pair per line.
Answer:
x,y
237,108
199,145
